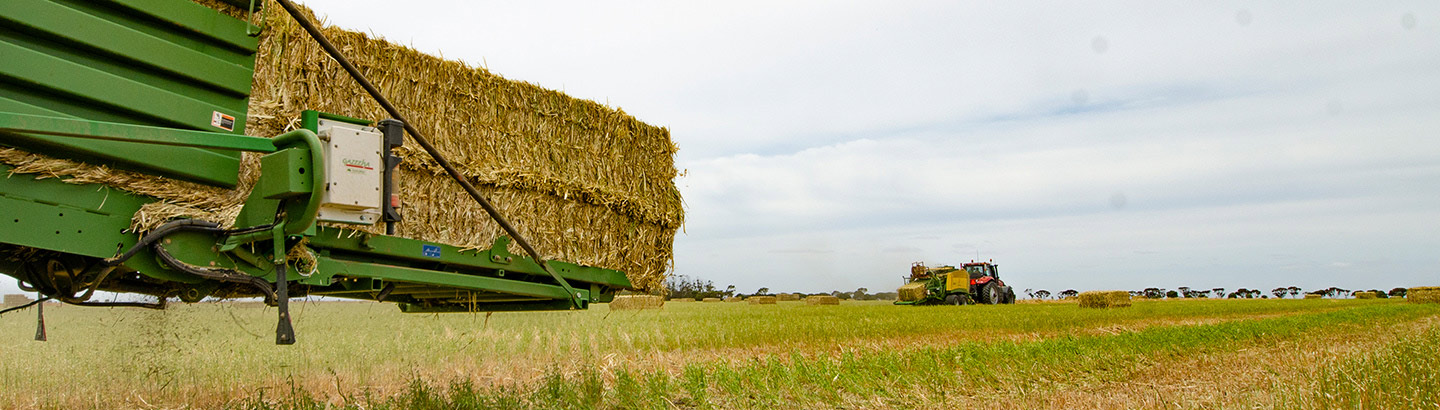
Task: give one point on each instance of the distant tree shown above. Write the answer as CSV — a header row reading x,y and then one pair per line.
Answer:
x,y
730,291
1172,294
1030,293
1202,294
842,295
887,295
1280,292
1219,292
1255,293
1398,292
1379,293
1154,293
1069,293
685,287
1042,294
862,294
1294,291
1184,291
762,292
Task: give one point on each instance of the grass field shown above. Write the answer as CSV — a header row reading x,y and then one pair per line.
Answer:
x,y
1171,354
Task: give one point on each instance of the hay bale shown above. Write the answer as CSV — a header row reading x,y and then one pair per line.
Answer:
x,y
14,300
1104,299
681,300
634,302
762,300
1365,295
734,299
788,297
912,291
1313,296
1426,294
584,182
822,300
710,300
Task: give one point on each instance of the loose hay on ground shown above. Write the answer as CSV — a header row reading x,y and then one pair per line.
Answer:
x,y
822,300
1104,299
633,302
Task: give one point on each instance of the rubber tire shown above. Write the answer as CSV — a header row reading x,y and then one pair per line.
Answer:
x,y
954,300
1009,295
990,294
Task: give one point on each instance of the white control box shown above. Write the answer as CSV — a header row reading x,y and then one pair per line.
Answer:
x,y
353,172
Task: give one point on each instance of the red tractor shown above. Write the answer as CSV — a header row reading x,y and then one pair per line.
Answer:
x,y
975,282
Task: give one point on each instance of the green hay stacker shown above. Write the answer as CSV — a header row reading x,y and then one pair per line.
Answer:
x,y
161,87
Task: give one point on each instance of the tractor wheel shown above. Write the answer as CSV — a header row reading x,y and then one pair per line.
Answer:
x,y
1009,295
990,294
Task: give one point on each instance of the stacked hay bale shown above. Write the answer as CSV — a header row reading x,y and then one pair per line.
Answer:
x,y
15,300
788,297
1104,299
762,300
1313,296
1365,295
584,182
635,302
1427,294
822,300
710,300
912,291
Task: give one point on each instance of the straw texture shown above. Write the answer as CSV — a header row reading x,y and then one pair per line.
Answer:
x,y
822,300
635,302
761,300
584,182
1104,299
1427,294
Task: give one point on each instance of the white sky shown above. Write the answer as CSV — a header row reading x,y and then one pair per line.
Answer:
x,y
827,144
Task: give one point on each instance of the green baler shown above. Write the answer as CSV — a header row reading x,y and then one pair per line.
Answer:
x,y
161,87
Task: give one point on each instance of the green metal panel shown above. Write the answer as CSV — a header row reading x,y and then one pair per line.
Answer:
x,y
166,63
391,273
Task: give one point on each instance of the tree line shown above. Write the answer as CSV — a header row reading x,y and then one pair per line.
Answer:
x,y
1186,292
685,287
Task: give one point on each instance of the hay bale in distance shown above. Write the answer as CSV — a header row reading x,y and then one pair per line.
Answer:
x,y
710,300
681,300
788,297
634,302
1104,299
14,300
912,291
822,300
1312,296
762,300
734,299
1365,295
1425,294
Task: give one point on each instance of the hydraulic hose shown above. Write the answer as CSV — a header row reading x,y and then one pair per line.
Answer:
x,y
425,144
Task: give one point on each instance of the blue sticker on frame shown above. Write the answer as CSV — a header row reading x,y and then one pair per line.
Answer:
x,y
432,251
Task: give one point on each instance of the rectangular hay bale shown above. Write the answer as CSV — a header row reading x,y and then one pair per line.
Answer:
x,y
761,300
911,292
822,300
635,302
1104,299
1365,295
1313,296
582,181
788,297
1424,294
710,300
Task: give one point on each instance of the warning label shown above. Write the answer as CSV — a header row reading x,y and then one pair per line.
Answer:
x,y
222,121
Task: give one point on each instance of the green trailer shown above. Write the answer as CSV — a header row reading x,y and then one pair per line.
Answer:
x,y
161,87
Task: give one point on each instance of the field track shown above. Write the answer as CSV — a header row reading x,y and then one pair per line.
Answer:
x,y
1170,354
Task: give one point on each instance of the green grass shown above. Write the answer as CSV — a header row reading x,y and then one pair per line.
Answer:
x,y
895,378
690,355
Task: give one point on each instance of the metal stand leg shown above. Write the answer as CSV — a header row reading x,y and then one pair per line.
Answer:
x,y
40,320
284,332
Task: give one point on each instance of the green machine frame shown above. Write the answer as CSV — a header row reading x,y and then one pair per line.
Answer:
x,y
68,241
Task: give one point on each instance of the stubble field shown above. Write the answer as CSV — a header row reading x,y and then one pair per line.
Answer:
x,y
1166,354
